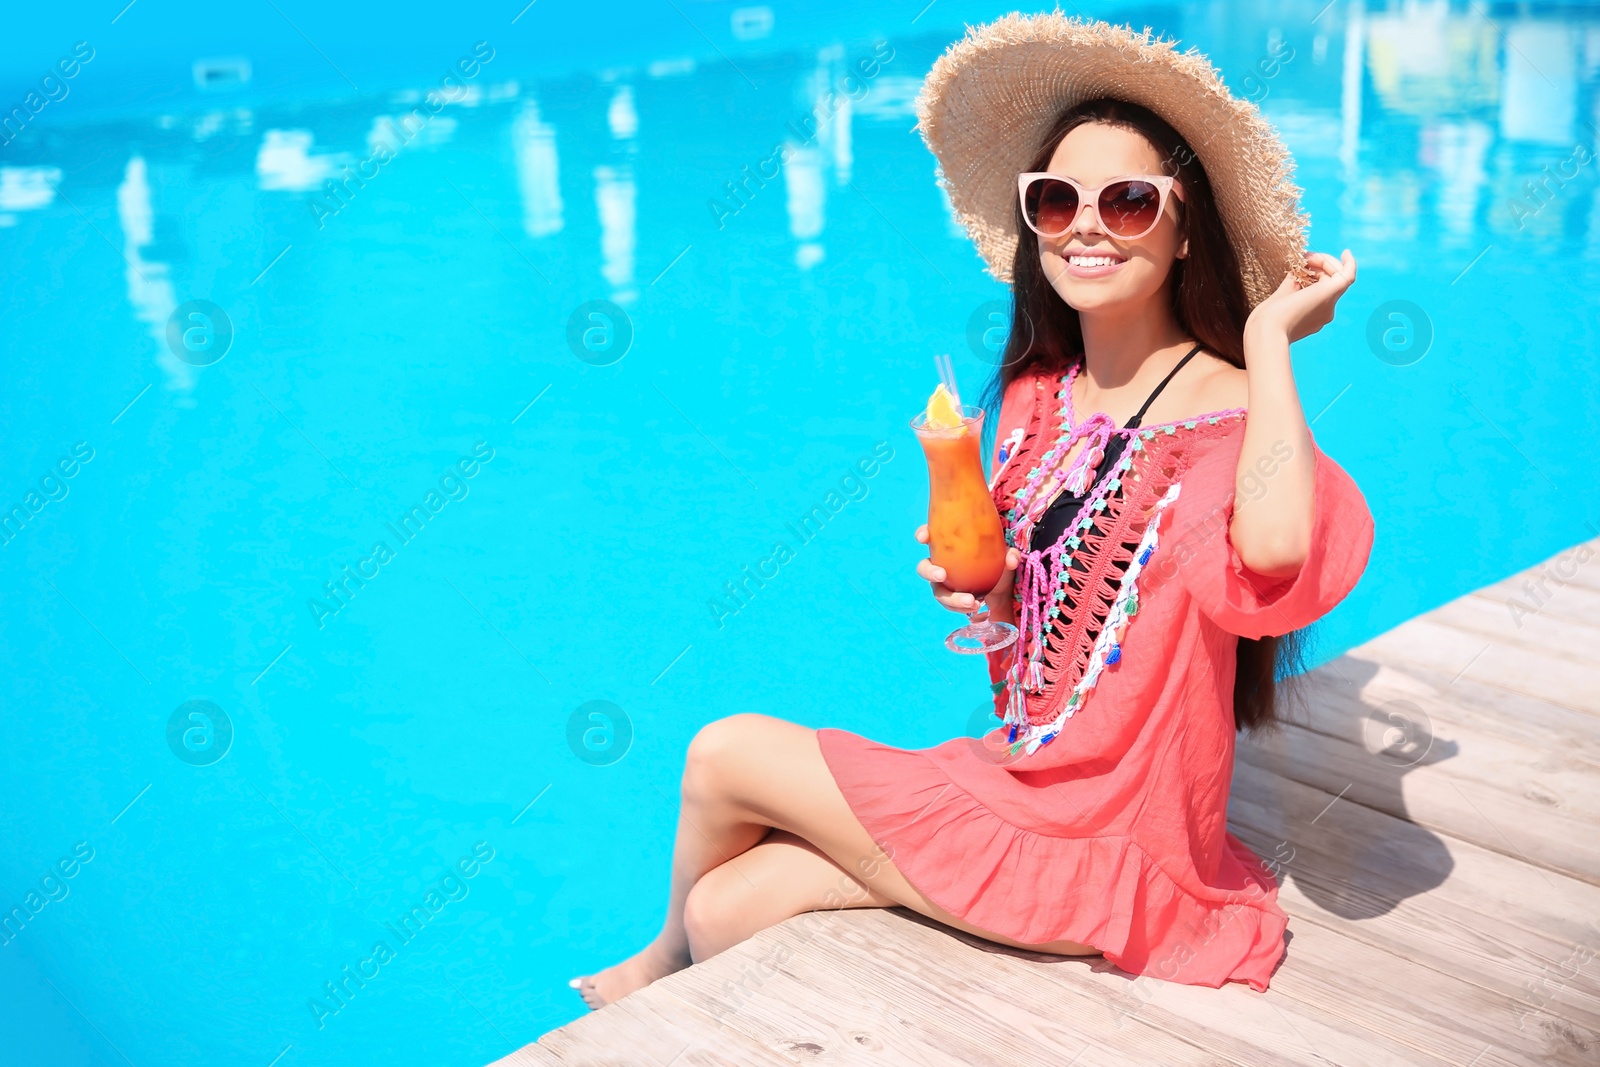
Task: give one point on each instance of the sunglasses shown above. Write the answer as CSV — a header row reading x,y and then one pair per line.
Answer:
x,y
1129,206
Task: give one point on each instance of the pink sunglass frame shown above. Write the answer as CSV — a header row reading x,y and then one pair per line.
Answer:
x,y
1166,185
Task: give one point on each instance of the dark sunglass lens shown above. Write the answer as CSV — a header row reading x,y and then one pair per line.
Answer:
x,y
1130,208
1051,205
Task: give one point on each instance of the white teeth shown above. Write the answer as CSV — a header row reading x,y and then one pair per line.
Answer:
x,y
1092,261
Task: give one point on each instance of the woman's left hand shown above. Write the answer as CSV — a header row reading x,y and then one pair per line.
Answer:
x,y
1300,312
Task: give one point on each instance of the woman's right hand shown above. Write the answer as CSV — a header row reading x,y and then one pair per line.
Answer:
x,y
998,598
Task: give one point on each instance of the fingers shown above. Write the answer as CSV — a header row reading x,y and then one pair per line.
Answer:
x,y
1341,270
1318,265
935,577
958,601
953,600
1309,307
1322,261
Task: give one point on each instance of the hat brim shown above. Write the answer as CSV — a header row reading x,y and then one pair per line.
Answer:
x,y
991,98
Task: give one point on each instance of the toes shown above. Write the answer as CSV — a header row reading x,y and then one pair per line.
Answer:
x,y
586,990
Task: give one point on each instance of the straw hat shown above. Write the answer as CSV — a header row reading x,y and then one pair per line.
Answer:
x,y
991,98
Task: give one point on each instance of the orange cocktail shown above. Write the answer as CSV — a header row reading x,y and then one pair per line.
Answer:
x,y
965,534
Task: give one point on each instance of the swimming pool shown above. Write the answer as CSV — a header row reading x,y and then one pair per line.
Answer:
x,y
380,548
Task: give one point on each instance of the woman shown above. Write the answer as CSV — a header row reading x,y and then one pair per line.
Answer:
x,y
1162,544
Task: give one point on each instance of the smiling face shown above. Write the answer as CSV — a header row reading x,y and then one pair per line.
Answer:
x,y
1090,269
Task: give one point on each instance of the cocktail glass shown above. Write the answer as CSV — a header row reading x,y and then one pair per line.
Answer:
x,y
965,535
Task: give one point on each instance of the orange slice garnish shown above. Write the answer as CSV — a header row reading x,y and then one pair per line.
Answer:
x,y
942,411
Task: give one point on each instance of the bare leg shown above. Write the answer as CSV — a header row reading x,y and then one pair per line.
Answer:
x,y
743,775
709,834
781,877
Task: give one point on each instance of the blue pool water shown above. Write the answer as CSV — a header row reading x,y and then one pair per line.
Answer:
x,y
227,780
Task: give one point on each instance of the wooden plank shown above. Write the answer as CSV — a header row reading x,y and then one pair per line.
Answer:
x,y
1503,958
1541,797
651,1027
1235,1024
866,986
1440,1017
528,1056
1576,595
1567,624
1493,660
1393,860
1522,973
1244,1025
1509,759
1449,701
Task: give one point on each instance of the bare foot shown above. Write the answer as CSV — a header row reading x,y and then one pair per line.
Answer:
x,y
635,972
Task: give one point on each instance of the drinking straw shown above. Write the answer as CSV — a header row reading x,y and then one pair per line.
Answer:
x,y
947,375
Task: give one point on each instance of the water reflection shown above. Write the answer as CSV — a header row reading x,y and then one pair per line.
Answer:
x,y
807,164
1425,59
893,96
1457,128
1350,89
615,196
1457,154
538,171
1539,98
149,282
614,201
235,121
1417,128
28,188
807,202
621,116
285,162
397,132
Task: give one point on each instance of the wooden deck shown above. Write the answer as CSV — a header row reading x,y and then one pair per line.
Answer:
x,y
1440,797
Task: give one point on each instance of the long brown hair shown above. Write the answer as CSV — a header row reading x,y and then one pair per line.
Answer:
x,y
1208,301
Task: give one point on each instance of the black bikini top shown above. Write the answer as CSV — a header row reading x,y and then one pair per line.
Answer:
x,y
1064,508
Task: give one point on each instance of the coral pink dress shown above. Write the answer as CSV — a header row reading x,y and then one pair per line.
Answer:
x,y
1096,810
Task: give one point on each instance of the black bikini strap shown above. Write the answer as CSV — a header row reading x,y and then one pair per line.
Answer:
x,y
1134,422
